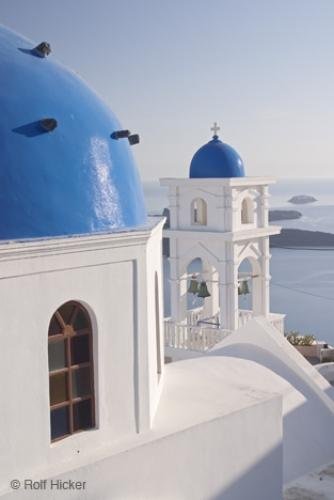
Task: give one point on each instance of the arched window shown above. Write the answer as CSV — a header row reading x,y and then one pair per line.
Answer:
x,y
198,212
247,211
71,384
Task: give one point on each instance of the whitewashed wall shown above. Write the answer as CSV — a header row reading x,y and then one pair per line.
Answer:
x,y
224,199
109,275
215,436
154,308
308,410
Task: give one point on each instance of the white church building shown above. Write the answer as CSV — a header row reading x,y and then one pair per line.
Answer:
x,y
89,408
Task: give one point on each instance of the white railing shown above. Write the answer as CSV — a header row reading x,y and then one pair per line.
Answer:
x,y
195,338
277,320
194,315
200,337
244,316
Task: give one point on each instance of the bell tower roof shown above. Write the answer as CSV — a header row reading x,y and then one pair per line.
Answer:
x,y
216,159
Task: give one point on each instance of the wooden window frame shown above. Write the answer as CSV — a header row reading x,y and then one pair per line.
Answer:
x,y
67,333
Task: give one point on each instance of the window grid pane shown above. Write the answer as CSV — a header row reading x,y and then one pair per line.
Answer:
x,y
58,388
81,382
66,311
57,355
55,327
59,423
82,415
80,349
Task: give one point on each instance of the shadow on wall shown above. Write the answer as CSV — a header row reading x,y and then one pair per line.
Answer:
x,y
191,472
255,483
308,437
327,371
166,287
32,129
29,52
330,391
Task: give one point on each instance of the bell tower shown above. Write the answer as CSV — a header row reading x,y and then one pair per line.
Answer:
x,y
218,219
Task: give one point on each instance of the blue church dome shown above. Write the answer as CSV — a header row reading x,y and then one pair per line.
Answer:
x,y
216,159
61,172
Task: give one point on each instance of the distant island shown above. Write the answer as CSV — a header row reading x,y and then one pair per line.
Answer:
x,y
299,238
302,199
284,215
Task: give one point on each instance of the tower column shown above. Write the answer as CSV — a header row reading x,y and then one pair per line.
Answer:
x,y
263,207
261,281
265,261
228,290
173,207
174,291
178,284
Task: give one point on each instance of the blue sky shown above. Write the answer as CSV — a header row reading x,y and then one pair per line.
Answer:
x,y
262,68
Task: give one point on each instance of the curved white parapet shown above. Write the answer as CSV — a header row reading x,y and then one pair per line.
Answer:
x,y
308,410
327,371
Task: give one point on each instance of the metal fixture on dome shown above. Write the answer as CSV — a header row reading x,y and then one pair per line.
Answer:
x,y
125,134
48,124
203,291
133,139
120,134
193,285
43,49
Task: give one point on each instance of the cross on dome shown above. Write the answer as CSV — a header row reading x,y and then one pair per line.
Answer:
x,y
215,129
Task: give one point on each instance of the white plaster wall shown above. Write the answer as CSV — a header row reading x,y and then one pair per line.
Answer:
x,y
224,201
108,275
214,437
212,195
252,194
155,346
308,438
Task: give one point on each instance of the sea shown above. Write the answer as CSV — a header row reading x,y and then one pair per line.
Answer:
x,y
302,281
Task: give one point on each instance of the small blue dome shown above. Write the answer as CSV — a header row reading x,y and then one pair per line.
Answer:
x,y
69,177
216,159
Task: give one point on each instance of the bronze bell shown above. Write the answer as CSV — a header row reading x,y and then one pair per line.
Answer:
x,y
243,288
203,291
193,286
